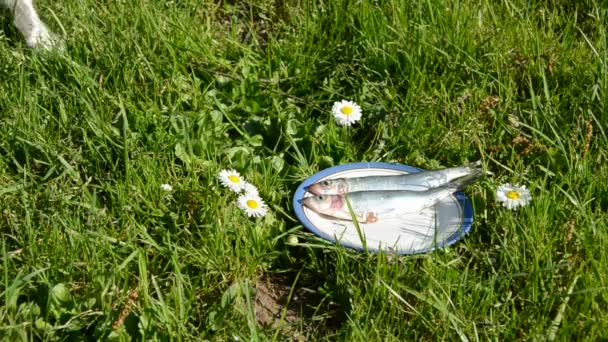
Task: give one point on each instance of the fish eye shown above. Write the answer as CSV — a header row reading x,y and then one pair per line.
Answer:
x,y
325,183
321,198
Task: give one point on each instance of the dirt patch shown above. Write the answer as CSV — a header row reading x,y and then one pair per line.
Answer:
x,y
278,307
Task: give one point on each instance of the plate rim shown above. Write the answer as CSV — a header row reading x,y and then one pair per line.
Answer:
x,y
462,199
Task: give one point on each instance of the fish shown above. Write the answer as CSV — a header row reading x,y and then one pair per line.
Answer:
x,y
415,181
373,206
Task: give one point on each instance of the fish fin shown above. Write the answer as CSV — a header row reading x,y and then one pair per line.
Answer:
x,y
418,224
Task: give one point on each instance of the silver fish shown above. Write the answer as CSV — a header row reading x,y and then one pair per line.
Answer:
x,y
371,206
416,181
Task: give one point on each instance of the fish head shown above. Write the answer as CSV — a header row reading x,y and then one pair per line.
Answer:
x,y
329,186
323,204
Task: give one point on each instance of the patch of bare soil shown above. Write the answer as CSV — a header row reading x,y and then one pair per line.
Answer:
x,y
276,309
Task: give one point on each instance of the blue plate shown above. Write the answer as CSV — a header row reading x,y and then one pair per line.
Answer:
x,y
442,225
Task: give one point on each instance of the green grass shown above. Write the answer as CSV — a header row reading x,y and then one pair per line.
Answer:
x,y
153,92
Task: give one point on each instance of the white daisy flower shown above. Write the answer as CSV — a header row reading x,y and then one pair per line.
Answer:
x,y
346,112
253,205
166,187
232,180
513,196
250,189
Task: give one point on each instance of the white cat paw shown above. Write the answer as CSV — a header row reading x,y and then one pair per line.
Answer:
x,y
41,38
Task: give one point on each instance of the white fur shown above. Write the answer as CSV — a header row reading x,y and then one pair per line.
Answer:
x,y
27,21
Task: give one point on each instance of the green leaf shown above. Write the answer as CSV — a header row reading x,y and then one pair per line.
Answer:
x,y
216,117
42,325
29,310
181,153
292,126
60,294
278,163
12,292
256,140
237,152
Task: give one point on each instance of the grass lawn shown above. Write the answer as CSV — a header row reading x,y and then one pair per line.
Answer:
x,y
155,92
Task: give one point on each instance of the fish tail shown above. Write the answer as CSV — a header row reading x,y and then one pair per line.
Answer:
x,y
465,181
476,166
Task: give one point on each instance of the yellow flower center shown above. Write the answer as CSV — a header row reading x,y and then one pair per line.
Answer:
x,y
252,204
346,110
513,195
234,179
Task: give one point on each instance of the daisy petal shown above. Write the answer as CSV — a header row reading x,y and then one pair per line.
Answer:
x,y
513,196
252,205
251,189
232,180
346,112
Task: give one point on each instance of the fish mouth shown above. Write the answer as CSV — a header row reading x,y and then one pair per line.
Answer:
x,y
314,189
305,203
